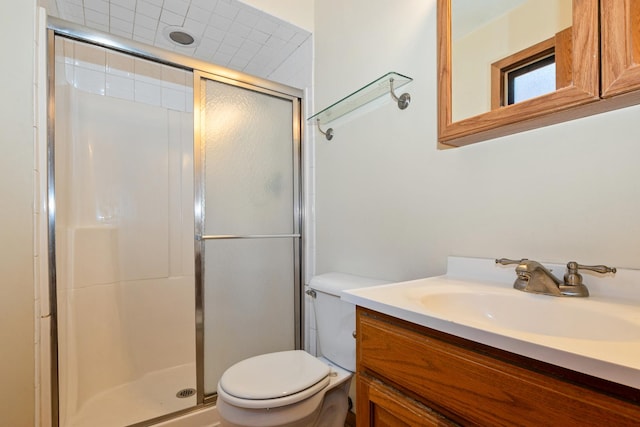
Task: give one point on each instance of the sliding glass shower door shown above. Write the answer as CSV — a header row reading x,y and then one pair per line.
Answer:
x,y
249,230
125,281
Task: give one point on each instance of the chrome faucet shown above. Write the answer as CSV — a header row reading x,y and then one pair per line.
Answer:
x,y
534,277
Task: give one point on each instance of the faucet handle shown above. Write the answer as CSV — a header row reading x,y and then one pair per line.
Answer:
x,y
506,261
524,267
573,267
573,278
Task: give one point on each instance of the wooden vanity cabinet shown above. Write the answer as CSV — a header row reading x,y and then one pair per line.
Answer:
x,y
415,376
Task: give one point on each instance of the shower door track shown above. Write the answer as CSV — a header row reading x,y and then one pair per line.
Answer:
x,y
60,27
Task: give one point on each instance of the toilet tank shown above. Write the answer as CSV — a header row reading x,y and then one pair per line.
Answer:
x,y
336,319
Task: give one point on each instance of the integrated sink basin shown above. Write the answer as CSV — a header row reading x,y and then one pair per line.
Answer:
x,y
598,335
535,314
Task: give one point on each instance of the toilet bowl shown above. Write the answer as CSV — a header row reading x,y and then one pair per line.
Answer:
x,y
310,389
293,388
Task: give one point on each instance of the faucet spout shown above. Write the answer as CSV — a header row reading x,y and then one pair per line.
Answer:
x,y
534,277
540,279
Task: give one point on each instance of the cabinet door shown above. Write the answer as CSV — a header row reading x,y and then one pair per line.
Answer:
x,y
620,38
381,406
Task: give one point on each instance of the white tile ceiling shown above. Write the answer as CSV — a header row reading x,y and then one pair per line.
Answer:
x,y
227,32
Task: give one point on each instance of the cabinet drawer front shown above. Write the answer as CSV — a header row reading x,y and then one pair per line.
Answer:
x,y
387,407
476,388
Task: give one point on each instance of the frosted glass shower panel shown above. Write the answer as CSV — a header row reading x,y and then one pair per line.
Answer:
x,y
249,302
250,180
248,161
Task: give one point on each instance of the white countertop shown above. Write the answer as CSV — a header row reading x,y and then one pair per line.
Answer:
x,y
567,341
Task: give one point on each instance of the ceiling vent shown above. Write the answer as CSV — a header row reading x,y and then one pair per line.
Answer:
x,y
180,36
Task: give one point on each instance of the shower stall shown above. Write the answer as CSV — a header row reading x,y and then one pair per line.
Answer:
x,y
175,218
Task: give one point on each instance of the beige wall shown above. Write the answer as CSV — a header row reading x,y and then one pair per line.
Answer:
x,y
16,214
390,204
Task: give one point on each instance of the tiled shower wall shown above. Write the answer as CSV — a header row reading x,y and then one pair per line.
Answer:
x,y
121,76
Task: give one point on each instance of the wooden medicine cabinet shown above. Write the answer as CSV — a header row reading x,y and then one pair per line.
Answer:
x,y
620,34
484,48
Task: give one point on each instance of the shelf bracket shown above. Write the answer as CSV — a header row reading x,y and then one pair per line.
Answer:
x,y
404,99
328,134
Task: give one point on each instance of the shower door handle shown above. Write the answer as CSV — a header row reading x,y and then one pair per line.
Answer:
x,y
246,236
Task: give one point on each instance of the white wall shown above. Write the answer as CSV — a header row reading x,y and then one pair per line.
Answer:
x,y
17,23
390,204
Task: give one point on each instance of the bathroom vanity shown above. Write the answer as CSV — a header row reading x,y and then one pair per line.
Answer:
x,y
417,376
419,366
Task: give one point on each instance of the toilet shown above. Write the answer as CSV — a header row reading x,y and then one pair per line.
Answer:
x,y
293,388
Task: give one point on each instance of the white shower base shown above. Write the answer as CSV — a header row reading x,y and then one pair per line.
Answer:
x,y
151,396
206,417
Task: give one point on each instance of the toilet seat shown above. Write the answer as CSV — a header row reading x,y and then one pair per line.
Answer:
x,y
273,380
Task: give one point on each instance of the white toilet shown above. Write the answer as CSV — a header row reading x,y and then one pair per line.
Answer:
x,y
293,388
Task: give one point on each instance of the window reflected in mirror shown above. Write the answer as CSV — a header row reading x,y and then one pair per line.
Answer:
x,y
531,80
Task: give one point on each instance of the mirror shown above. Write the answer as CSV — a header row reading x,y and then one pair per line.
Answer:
x,y
492,52
486,32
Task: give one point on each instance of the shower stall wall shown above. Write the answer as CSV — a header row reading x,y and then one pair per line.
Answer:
x,y
175,218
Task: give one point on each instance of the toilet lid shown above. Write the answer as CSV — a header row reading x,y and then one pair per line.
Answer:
x,y
273,375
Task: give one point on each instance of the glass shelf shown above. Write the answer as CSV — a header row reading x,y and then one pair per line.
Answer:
x,y
374,90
